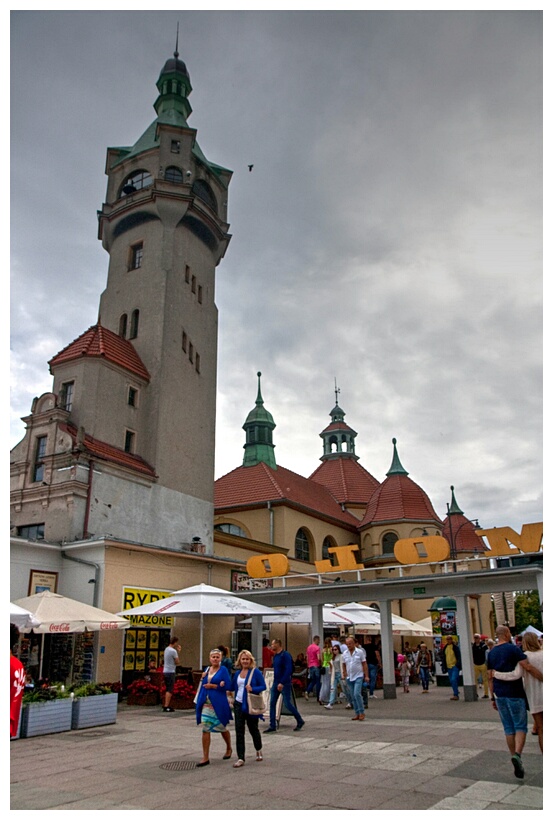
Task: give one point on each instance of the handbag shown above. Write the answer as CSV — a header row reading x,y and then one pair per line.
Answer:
x,y
256,703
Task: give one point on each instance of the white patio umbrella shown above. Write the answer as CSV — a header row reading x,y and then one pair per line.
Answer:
x,y
533,629
58,615
369,618
302,615
22,618
201,600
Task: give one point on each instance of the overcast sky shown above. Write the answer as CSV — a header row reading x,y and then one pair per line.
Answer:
x,y
389,235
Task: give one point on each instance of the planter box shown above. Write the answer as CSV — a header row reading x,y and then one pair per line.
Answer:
x,y
96,710
150,699
182,703
46,718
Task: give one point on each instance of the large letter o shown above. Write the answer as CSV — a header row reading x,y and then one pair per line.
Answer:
x,y
267,566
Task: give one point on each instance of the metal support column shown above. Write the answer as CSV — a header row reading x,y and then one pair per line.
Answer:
x,y
317,624
387,651
464,632
257,638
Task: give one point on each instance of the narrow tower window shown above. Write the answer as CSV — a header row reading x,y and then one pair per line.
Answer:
x,y
134,324
197,362
123,325
184,341
132,398
40,452
129,441
66,395
200,294
136,256
193,285
175,146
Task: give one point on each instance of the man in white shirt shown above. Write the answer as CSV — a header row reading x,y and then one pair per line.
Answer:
x,y
354,668
170,663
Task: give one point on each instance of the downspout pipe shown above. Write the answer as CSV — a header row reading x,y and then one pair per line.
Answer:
x,y
88,498
97,570
271,523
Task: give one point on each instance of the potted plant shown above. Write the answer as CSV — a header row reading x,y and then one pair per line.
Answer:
x,y
183,695
45,711
94,704
143,692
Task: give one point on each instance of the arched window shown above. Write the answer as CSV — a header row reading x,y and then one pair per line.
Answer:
x,y
173,174
202,190
328,542
301,546
123,325
135,181
232,529
135,315
388,541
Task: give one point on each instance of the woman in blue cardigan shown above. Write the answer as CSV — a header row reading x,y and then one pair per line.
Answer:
x,y
247,679
212,708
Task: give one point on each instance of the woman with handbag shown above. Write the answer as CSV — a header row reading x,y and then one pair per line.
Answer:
x,y
249,705
212,708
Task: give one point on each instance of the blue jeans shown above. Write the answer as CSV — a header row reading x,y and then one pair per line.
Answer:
x,y
453,675
356,688
373,671
337,682
512,712
314,680
424,675
287,700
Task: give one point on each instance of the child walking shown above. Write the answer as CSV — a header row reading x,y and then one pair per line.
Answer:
x,y
404,667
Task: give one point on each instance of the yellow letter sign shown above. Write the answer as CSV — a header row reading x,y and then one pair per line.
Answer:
x,y
500,538
345,559
427,550
266,566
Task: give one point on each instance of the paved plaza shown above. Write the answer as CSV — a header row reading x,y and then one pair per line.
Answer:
x,y
419,752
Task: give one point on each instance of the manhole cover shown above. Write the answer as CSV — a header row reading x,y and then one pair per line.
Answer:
x,y
178,765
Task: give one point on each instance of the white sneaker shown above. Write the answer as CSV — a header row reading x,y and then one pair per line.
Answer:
x,y
349,706
373,697
328,706
238,764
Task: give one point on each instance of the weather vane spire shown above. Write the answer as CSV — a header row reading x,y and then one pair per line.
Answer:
x,y
176,52
336,390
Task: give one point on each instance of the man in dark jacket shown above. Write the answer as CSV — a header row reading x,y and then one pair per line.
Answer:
x,y
283,666
479,650
451,665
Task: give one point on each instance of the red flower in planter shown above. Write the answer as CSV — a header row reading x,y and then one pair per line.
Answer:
x,y
181,689
142,687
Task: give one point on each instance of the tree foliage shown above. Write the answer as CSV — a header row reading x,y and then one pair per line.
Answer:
x,y
528,611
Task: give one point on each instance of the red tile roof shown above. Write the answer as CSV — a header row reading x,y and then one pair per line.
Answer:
x,y
250,486
337,425
107,452
99,342
464,534
346,479
399,499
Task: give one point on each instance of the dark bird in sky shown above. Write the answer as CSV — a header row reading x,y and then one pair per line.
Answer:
x,y
250,167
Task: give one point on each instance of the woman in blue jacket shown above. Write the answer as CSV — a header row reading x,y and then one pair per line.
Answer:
x,y
247,679
212,708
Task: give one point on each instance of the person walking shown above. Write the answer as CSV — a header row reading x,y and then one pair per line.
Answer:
x,y
506,663
451,665
313,653
283,666
479,651
532,685
374,661
170,663
404,669
212,706
354,668
335,674
424,666
247,679
326,671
